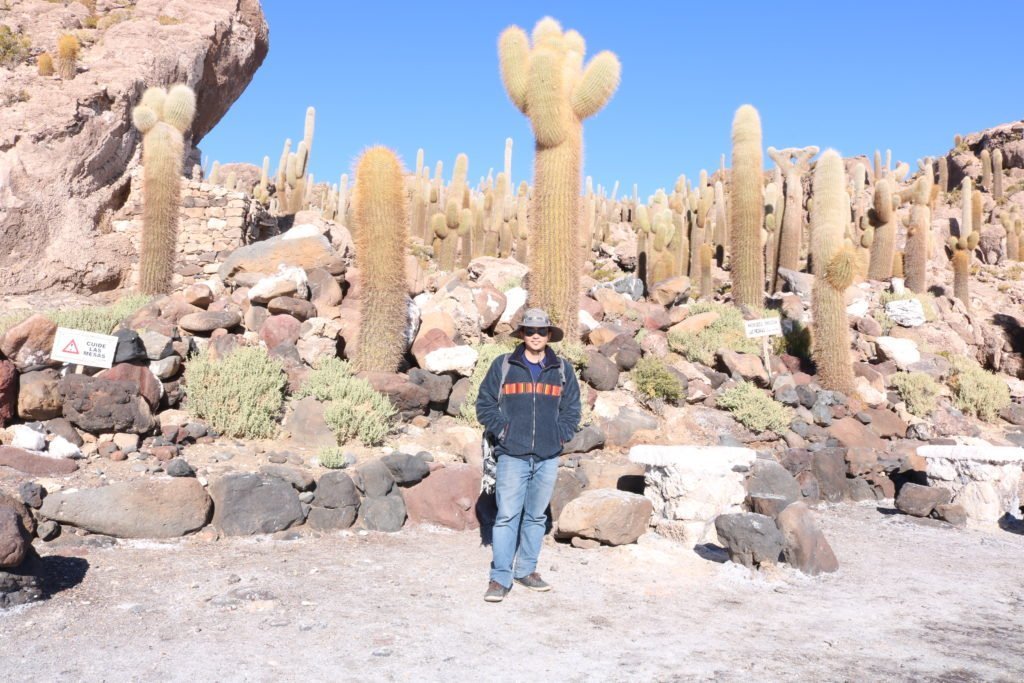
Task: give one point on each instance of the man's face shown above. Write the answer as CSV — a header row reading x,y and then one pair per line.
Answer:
x,y
536,338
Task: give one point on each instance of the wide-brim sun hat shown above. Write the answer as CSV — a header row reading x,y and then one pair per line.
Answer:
x,y
536,317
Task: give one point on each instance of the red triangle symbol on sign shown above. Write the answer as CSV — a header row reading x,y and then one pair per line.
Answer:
x,y
72,347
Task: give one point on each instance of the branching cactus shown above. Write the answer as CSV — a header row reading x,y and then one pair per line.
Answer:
x,y
959,251
746,209
915,259
794,162
997,174
834,265
162,117
883,220
545,79
382,226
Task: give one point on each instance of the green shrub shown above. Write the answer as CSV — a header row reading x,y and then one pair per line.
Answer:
x,y
486,355
240,395
754,409
725,333
918,390
354,409
100,319
654,380
975,391
332,457
14,47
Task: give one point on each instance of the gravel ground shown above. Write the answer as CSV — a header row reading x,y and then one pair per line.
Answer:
x,y
911,601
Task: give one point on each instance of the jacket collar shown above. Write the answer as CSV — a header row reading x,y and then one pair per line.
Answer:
x,y
519,356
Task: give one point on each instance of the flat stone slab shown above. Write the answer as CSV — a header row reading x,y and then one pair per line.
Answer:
x,y
711,458
36,465
995,455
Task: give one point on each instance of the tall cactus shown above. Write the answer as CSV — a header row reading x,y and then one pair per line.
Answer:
x,y
943,175
382,225
547,82
162,117
915,258
794,162
834,266
966,211
746,209
883,218
997,174
986,170
960,249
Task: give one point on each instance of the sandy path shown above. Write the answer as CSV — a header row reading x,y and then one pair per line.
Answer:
x,y
910,602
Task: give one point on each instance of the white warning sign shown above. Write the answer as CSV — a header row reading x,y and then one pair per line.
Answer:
x,y
765,327
83,348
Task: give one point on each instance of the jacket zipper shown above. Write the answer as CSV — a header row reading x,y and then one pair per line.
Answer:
x,y
533,442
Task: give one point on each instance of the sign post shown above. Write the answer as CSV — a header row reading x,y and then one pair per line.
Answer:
x,y
83,348
764,328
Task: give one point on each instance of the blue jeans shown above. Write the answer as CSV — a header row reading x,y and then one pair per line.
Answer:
x,y
523,489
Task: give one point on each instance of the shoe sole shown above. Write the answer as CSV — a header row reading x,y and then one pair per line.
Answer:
x,y
545,589
493,598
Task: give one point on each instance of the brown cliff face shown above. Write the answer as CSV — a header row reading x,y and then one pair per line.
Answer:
x,y
66,151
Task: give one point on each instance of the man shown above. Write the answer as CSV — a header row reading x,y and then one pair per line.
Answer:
x,y
529,416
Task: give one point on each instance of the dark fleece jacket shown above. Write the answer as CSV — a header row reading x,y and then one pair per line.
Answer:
x,y
531,418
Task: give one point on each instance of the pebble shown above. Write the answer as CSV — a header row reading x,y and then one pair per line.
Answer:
x,y
139,467
277,458
306,497
382,652
48,530
177,467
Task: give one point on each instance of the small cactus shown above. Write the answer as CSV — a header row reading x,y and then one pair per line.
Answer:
x,y
45,64
67,56
382,225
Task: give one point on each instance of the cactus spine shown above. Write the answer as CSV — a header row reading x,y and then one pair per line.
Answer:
x,y
382,224
547,82
162,118
884,222
997,174
746,209
834,265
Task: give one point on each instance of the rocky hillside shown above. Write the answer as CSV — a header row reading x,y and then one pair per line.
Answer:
x,y
67,145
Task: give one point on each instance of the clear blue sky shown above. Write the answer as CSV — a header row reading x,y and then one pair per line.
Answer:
x,y
904,75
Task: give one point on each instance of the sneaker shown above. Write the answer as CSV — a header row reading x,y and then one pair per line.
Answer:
x,y
495,592
534,582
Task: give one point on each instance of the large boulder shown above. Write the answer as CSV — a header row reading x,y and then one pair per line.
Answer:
x,y
67,151
606,515
133,509
102,405
382,513
247,504
27,344
335,502
35,465
770,487
139,375
446,498
750,538
38,395
919,501
805,546
14,541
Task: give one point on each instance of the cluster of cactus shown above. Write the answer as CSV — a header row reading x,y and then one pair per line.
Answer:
x,y
545,77
793,162
1013,224
291,182
381,225
834,264
162,117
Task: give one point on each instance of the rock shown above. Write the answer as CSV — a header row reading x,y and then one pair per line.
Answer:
x,y
336,490
406,469
385,513
690,486
919,501
869,326
694,324
165,368
851,433
410,399
905,312
438,386
620,429
129,347
458,396
324,290
430,340
805,546
32,494
600,372
903,352
623,350
829,469
35,465
14,543
309,252
133,509
128,443
48,530
671,291
8,392
246,504
771,486
952,513
799,283
490,304
199,295
306,426
751,539
374,479
569,485
605,515
586,439
446,498
458,359
206,322
178,467
28,344
331,519
60,447
283,283
147,384
301,480
1012,413
885,423
300,309
497,272
23,436
744,366
280,329
98,405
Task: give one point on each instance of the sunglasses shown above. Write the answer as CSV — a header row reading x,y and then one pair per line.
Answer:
x,y
530,331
